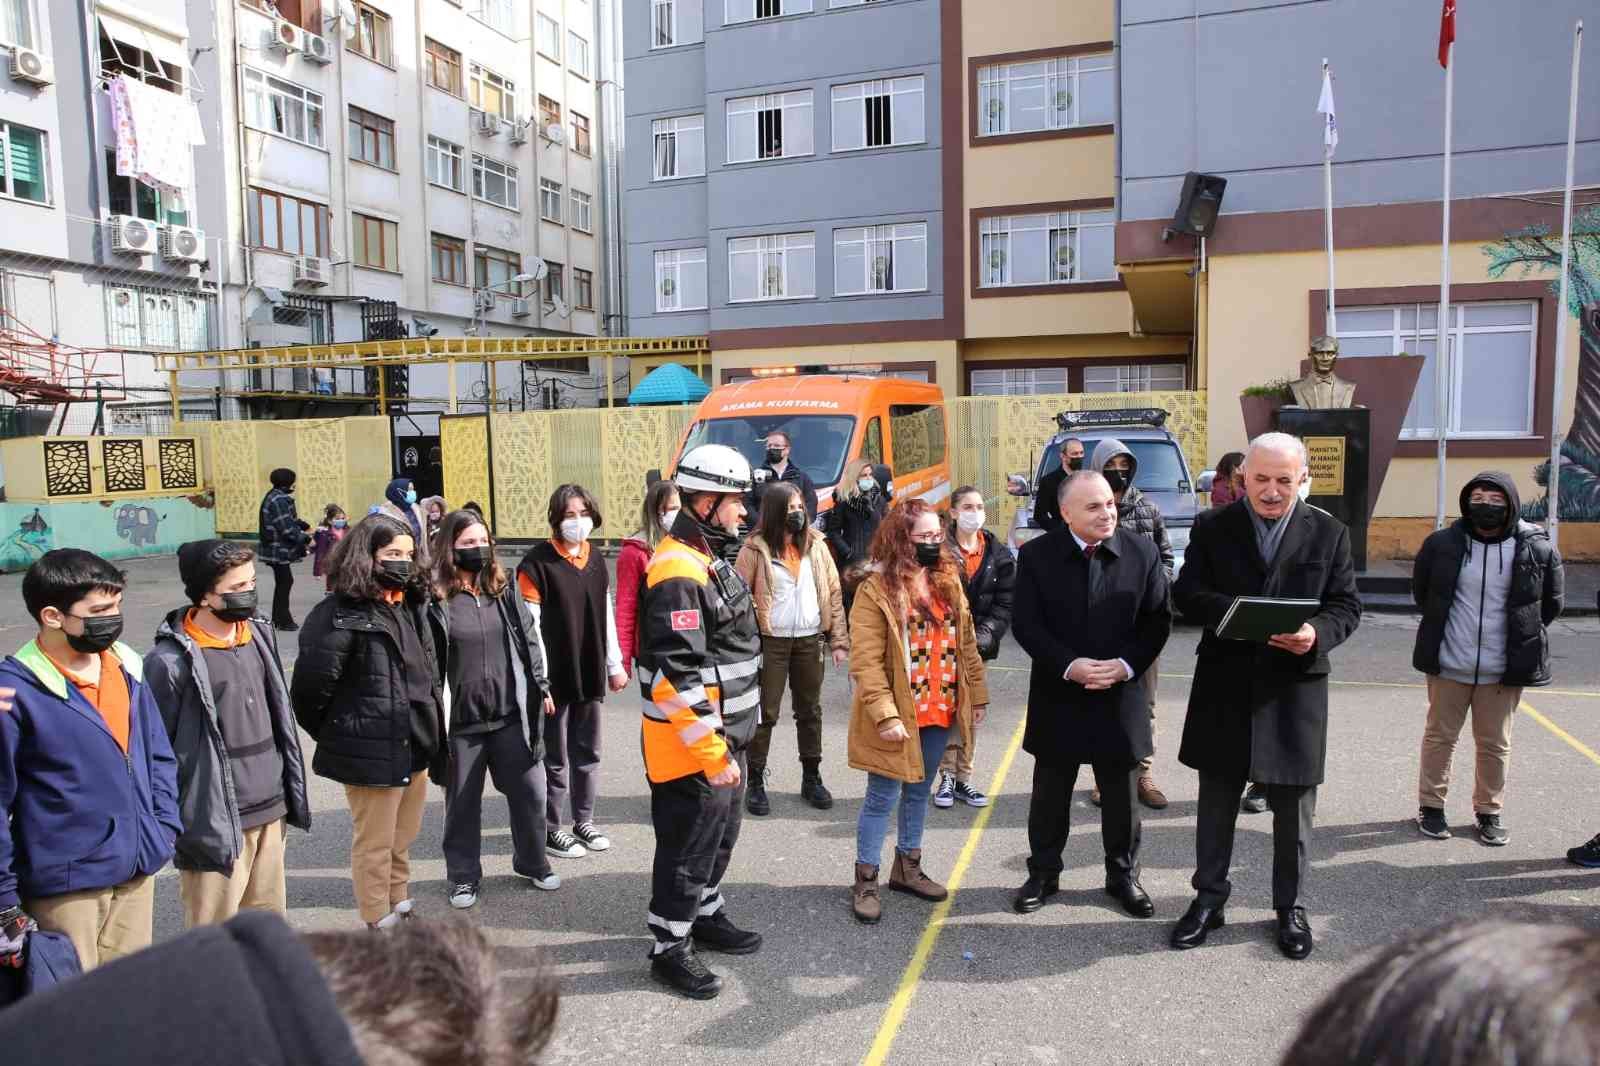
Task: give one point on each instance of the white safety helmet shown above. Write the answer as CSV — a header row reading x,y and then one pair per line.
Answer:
x,y
713,468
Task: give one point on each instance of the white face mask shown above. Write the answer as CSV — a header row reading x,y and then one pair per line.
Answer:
x,y
969,521
576,530
866,484
669,517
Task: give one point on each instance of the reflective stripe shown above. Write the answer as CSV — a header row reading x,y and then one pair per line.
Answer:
x,y
643,675
691,733
653,712
667,925
743,702
732,672
677,701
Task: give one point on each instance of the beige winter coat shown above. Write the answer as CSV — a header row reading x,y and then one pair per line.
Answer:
x,y
754,564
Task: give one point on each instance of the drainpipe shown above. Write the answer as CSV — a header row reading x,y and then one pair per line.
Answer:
x,y
608,37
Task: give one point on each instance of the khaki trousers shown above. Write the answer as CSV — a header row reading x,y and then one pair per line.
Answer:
x,y
257,882
103,924
384,822
1491,707
957,761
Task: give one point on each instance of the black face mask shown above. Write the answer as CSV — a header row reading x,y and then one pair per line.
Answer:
x,y
1118,480
1075,464
794,521
100,631
774,456
236,606
1487,517
473,559
393,573
929,554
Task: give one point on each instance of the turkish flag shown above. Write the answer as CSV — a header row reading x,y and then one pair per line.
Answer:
x,y
1447,32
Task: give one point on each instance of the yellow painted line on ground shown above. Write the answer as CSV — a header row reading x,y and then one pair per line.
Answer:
x,y
1577,745
895,1015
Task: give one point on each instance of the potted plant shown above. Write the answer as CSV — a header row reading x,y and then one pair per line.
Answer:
x,y
1258,402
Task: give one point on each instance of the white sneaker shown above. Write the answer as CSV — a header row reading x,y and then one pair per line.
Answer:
x,y
563,844
464,896
405,907
387,922
591,837
945,795
549,882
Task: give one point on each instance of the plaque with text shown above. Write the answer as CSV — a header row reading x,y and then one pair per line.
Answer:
x,y
1338,443
1327,465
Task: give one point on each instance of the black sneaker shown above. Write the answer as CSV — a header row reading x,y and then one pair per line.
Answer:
x,y
1431,823
755,796
290,626
1586,855
564,844
970,796
590,837
1491,832
1255,800
464,895
717,933
681,969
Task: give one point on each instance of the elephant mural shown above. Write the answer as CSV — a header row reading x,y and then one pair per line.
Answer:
x,y
137,524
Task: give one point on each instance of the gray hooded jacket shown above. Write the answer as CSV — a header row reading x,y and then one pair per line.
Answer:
x,y
1135,513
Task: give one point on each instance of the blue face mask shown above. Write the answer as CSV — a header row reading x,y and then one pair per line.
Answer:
x,y
411,495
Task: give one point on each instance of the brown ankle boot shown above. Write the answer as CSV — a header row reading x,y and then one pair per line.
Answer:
x,y
907,876
864,899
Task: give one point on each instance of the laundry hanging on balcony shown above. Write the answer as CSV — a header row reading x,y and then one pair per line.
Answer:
x,y
156,131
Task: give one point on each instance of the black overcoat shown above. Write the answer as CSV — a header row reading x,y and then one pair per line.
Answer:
x,y
1256,711
1056,621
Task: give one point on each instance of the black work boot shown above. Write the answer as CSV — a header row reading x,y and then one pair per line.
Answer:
x,y
812,790
755,794
681,969
717,933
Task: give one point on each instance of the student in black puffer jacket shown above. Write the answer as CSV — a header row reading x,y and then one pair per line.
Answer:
x,y
859,503
366,688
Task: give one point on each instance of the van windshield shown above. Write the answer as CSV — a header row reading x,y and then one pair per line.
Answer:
x,y
1160,463
820,441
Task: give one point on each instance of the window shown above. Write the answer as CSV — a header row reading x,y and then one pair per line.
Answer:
x,y
779,267
675,22
880,259
286,224
129,196
446,164
23,163
554,289
582,211
583,289
681,279
493,267
769,127
580,134
750,10
141,52
370,35
577,55
549,200
1489,364
488,91
282,107
1047,94
876,114
850,3
16,23
872,440
1023,382
376,243
1150,377
497,14
1051,249
449,259
680,147
916,432
549,39
549,112
307,14
444,67
494,181
371,138
137,317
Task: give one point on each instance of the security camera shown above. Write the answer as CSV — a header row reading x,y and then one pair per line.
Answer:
x,y
420,327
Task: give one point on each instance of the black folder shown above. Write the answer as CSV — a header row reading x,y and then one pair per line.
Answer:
x,y
1258,618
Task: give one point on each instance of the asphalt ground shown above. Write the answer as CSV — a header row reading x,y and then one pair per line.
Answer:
x,y
970,981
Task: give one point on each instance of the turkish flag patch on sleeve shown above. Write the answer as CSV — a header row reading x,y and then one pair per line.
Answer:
x,y
685,620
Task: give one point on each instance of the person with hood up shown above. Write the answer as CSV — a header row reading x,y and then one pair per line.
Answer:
x,y
400,502
1136,514
1489,586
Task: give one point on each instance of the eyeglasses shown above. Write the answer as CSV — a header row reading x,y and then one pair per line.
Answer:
x,y
927,538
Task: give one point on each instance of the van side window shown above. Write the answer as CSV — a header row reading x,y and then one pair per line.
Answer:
x,y
872,441
918,432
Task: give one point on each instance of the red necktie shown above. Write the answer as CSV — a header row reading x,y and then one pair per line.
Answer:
x,y
1089,550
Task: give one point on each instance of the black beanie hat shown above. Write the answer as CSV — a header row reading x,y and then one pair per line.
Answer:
x,y
281,478
200,563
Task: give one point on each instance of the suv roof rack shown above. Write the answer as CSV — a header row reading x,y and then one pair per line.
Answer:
x,y
1154,417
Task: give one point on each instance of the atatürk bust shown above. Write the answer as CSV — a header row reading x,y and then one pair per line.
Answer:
x,y
1322,388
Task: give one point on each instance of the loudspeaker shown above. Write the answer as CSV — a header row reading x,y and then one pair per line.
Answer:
x,y
1199,204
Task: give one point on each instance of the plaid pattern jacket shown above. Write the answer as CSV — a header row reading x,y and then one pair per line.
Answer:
x,y
281,538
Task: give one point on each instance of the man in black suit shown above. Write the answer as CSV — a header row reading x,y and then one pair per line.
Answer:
x,y
1091,611
1259,712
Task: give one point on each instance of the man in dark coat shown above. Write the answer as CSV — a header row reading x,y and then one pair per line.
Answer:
x,y
1259,712
780,467
1092,613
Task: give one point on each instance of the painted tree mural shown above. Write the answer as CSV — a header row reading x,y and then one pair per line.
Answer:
x,y
1535,251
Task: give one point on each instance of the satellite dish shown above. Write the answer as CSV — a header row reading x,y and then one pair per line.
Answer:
x,y
559,306
538,270
347,11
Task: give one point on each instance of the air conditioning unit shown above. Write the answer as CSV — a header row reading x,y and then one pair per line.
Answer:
x,y
487,122
521,307
483,300
317,49
183,244
287,37
311,270
555,133
132,236
519,132
30,66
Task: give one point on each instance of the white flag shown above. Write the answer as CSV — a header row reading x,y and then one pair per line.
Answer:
x,y
1330,130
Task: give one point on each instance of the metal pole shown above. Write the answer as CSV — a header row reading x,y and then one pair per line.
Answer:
x,y
611,392
177,400
1553,523
1332,329
1441,364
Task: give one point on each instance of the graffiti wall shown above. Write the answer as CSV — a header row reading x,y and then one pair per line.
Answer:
x,y
114,529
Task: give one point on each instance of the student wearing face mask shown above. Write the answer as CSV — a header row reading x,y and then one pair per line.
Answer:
x,y
224,699
400,502
495,705
88,785
859,504
660,510
988,577
780,468
569,592
282,540
1046,507
366,688
1489,586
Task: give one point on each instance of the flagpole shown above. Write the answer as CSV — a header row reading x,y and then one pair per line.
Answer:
x,y
1441,367
1553,522
1332,329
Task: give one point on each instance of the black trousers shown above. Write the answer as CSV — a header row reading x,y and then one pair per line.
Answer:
x,y
282,584
696,828
1050,818
1293,808
503,755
